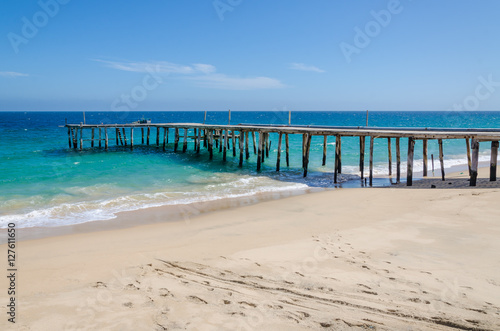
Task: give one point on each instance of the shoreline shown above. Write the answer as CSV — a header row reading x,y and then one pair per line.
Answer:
x,y
182,212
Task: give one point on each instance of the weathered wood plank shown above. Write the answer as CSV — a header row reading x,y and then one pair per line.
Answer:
x,y
469,162
325,141
398,160
389,154
69,137
278,157
493,161
409,168
131,138
164,138
142,135
307,149
254,145
372,140
198,146
474,161
242,147
106,137
287,147
92,138
441,157
233,136
176,139
147,135
185,142
157,136
224,154
124,137
247,152
259,150
362,141
425,159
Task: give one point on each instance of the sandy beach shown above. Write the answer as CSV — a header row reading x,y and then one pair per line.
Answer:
x,y
378,259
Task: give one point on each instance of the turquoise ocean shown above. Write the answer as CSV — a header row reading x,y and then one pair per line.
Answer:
x,y
43,183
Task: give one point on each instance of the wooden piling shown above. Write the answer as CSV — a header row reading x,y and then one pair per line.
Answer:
x,y
409,168
267,145
116,136
247,152
441,157
198,141
124,136
304,140
74,137
425,156
337,155
121,138
234,142
389,152
493,161
242,149
157,136
307,149
176,139
263,149
131,138
340,155
211,144
287,150
147,135
362,140
167,136
221,140
254,145
474,161
106,137
142,135
259,152
81,138
469,163
224,153
92,138
398,161
325,140
185,143
372,141
278,158
100,138
69,137
164,138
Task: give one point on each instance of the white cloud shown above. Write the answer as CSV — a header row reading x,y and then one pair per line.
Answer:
x,y
204,75
12,74
304,67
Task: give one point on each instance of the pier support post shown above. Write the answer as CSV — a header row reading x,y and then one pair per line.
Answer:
x,y
337,157
287,151
185,143
211,143
74,137
157,136
278,158
493,161
362,140
100,138
372,141
142,135
263,148
398,161
116,136
124,136
247,152
205,143
409,169
164,138
131,138
259,152
469,163
474,161
389,152
267,145
234,141
224,153
254,145
307,149
92,138
441,157
325,140
69,137
195,139
425,156
198,142
81,138
147,135
242,138
176,139
106,137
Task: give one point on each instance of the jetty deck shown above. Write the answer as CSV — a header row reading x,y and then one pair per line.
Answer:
x,y
222,137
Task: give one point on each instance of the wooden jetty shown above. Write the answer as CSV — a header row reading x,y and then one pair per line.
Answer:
x,y
221,137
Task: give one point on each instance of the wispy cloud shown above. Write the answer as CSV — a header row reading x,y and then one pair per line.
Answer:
x,y
304,67
204,75
12,74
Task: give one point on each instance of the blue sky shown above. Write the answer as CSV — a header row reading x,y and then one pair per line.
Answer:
x,y
249,55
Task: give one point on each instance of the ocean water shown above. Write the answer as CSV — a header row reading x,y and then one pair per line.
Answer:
x,y
45,183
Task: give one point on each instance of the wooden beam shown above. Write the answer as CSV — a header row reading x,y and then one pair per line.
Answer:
x,y
176,139
116,136
224,154
185,144
92,138
157,136
142,135
424,147
409,168
340,155
337,155
493,161
124,136
474,161
287,150
469,162
247,152
398,161
198,146
307,149
100,138
389,152
211,143
242,149
362,141
106,137
69,137
147,135
267,145
164,138
259,151
81,138
325,141
131,138
278,158
234,142
441,157
372,139
254,145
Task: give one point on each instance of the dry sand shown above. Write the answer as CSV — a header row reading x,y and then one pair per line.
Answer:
x,y
376,259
